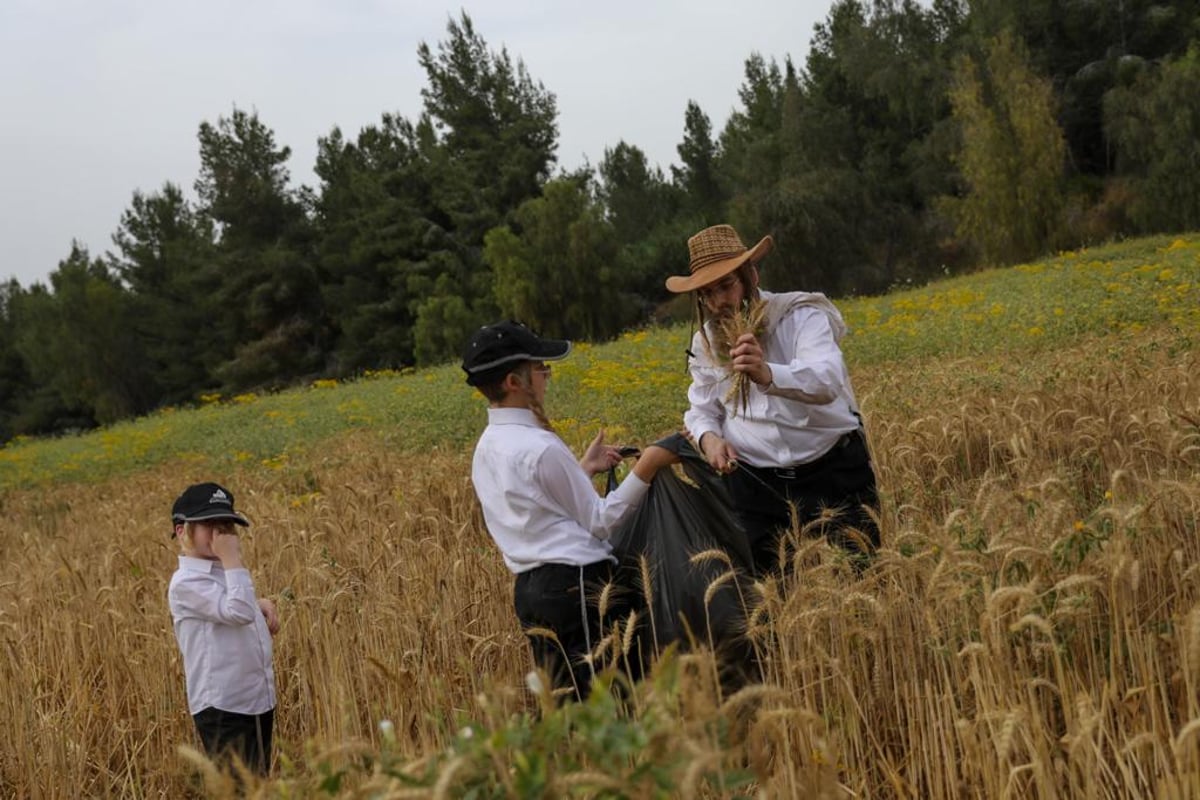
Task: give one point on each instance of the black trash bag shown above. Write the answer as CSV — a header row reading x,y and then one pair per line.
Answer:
x,y
677,520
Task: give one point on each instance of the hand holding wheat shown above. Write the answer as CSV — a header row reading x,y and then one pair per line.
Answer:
x,y
748,319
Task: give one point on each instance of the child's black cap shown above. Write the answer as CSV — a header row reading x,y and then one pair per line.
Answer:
x,y
495,350
206,501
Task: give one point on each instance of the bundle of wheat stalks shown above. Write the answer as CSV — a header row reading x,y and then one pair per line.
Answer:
x,y
750,317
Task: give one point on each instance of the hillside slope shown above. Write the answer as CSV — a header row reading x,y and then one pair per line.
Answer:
x,y
636,385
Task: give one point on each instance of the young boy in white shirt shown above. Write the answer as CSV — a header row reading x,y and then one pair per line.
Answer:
x,y
541,509
224,630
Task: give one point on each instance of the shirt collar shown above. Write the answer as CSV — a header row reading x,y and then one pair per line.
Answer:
x,y
196,564
512,416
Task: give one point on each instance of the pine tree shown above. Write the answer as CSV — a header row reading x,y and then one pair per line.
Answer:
x,y
268,299
165,256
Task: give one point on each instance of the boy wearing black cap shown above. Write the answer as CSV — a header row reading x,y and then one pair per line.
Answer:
x,y
224,630
539,504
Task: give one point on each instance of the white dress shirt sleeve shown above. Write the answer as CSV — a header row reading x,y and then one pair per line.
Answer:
x,y
566,483
814,373
706,393
201,598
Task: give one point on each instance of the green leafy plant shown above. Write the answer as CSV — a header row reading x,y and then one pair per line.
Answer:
x,y
665,737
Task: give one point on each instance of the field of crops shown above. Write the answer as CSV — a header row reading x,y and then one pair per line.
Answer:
x,y
1031,627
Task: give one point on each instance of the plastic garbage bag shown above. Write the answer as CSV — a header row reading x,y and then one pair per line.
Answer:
x,y
704,600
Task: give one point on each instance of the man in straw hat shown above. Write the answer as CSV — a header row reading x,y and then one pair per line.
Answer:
x,y
771,403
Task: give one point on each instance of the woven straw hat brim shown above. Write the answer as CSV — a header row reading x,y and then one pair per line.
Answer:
x,y
718,269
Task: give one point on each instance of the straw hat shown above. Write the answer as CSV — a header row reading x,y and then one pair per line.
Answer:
x,y
715,252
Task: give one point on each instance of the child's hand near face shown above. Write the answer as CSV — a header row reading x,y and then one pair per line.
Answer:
x,y
225,546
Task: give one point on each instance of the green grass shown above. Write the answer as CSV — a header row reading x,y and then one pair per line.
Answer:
x,y
635,387
1121,288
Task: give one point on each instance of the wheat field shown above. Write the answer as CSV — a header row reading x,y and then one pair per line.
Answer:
x,y
1031,627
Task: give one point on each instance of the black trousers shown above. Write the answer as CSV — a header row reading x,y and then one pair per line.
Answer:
x,y
248,736
562,598
842,480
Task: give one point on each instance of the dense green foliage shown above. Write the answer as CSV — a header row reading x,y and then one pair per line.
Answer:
x,y
1012,156
914,140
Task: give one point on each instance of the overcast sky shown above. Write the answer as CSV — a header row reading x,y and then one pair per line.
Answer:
x,y
99,98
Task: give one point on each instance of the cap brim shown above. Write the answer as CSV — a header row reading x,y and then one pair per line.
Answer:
x,y
552,349
206,516
718,269
541,350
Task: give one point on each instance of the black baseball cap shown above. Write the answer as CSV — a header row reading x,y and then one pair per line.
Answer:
x,y
495,350
206,501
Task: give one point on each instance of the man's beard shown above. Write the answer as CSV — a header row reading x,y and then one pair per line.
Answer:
x,y
721,344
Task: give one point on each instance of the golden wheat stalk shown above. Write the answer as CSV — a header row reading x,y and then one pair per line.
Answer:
x,y
749,318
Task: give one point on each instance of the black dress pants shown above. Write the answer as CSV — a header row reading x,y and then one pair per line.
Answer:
x,y
248,736
842,480
556,597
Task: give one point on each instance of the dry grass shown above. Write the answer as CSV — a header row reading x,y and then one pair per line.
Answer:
x,y
392,602
1031,628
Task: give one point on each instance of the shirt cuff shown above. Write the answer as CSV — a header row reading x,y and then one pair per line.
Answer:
x,y
777,371
698,434
632,489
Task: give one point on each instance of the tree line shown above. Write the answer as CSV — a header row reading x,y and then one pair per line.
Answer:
x,y
913,141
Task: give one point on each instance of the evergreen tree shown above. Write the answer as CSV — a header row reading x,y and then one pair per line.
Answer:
x,y
750,155
79,343
874,122
1011,158
840,162
165,257
635,196
558,273
371,219
696,175
15,382
1083,49
269,300
644,212
487,138
492,120
1155,123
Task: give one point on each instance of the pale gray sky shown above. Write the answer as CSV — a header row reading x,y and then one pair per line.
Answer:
x,y
99,98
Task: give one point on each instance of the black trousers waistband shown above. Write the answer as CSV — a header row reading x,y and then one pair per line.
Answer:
x,y
802,471
597,569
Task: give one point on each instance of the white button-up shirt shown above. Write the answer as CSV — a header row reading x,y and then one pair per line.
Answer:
x,y
539,505
807,407
223,637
